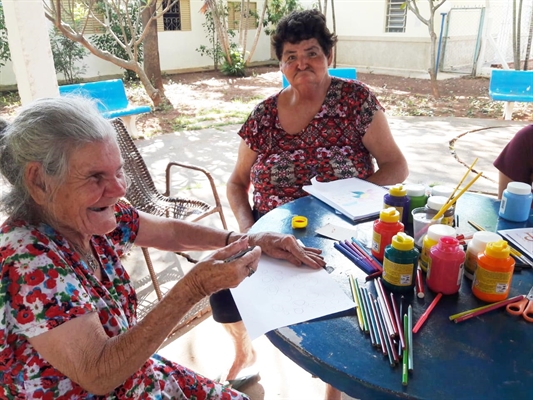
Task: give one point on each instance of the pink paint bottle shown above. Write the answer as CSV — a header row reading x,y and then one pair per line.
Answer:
x,y
445,266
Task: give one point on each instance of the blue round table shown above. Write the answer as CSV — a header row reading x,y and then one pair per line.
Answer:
x,y
487,357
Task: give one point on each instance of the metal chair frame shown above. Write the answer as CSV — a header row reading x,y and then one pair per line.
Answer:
x,y
144,196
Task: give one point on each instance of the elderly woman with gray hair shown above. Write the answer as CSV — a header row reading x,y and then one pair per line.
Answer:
x,y
68,326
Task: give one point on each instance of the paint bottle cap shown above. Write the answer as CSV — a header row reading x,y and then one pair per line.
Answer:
x,y
436,202
519,188
441,190
398,190
435,232
499,249
403,241
389,214
415,190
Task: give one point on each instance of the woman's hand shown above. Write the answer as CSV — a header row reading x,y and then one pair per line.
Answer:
x,y
286,247
214,273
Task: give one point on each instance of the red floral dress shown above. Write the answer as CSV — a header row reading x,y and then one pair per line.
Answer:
x,y
43,283
330,147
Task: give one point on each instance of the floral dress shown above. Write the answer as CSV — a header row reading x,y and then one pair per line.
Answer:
x,y
43,283
330,147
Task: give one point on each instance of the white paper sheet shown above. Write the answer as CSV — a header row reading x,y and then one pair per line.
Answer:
x,y
522,237
281,294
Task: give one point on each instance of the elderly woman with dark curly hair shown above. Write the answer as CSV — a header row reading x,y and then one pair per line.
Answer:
x,y
319,126
68,324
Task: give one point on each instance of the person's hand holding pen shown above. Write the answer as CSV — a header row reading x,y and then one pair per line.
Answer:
x,y
223,269
286,247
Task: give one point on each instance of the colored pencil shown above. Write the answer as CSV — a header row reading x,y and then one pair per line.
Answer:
x,y
426,313
419,284
373,333
356,301
389,316
360,259
368,255
492,307
358,293
387,340
398,323
381,330
391,346
405,356
361,254
373,276
507,301
351,257
410,336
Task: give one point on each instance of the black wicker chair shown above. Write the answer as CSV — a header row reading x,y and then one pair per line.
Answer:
x,y
144,196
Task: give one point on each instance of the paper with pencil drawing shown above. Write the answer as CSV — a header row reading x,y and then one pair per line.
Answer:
x,y
353,197
281,294
521,237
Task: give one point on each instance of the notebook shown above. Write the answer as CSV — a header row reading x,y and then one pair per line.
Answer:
x,y
355,198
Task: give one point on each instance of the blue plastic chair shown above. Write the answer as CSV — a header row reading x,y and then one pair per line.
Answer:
x,y
347,73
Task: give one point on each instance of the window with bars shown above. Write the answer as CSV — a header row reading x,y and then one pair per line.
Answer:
x,y
234,14
172,18
396,16
177,18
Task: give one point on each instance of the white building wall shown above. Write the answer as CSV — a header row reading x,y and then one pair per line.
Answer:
x,y
177,51
360,25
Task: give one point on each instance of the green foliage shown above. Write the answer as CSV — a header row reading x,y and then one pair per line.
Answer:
x,y
107,42
276,10
237,66
66,54
5,55
215,50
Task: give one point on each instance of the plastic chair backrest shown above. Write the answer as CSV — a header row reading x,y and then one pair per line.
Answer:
x,y
110,94
347,73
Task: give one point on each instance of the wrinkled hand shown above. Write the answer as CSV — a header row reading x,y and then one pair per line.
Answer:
x,y
286,247
213,274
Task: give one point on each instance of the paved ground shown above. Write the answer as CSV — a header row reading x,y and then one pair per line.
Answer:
x,y
439,150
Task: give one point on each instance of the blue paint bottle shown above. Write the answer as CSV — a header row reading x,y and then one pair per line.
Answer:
x,y
516,202
400,263
397,198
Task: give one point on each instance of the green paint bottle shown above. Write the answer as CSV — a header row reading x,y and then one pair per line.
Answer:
x,y
399,264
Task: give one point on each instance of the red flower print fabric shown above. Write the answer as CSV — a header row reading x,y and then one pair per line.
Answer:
x,y
43,283
330,147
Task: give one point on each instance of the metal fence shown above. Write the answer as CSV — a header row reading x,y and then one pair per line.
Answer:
x,y
468,30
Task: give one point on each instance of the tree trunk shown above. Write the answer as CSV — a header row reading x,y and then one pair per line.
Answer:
x,y
335,32
529,40
257,33
220,28
519,33
152,66
433,57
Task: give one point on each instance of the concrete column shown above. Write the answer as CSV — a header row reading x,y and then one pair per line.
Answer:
x,y
31,54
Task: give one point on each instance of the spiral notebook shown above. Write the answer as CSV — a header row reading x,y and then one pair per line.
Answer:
x,y
355,198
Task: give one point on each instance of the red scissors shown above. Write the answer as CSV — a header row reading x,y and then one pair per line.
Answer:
x,y
523,307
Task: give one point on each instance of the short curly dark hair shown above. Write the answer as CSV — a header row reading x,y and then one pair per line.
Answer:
x,y
303,25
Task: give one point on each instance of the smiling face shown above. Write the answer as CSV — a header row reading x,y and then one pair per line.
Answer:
x,y
304,62
82,205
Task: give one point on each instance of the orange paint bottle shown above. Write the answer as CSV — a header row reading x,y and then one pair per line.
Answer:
x,y
495,266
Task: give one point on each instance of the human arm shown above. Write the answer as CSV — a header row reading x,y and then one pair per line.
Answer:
x,y
176,235
81,349
239,185
503,180
378,140
515,162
